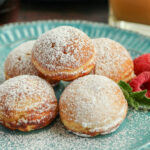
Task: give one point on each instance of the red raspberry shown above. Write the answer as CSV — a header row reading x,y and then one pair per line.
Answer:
x,y
141,82
142,63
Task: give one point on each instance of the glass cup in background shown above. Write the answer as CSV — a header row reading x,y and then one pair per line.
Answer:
x,y
8,11
130,14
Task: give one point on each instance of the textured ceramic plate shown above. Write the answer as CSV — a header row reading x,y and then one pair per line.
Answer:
x,y
134,133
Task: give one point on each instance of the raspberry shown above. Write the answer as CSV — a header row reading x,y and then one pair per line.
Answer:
x,y
142,63
141,82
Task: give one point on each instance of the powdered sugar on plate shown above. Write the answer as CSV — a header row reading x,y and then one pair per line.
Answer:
x,y
57,137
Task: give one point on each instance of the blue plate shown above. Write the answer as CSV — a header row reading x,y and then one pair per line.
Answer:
x,y
134,133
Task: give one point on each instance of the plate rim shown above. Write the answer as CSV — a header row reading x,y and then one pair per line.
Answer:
x,y
95,23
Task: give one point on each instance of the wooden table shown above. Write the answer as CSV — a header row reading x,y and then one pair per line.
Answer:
x,y
95,10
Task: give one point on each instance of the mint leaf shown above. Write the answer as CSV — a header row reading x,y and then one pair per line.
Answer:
x,y
137,100
125,86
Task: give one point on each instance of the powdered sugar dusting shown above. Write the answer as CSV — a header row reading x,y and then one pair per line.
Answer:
x,y
80,134
55,137
26,93
63,48
95,102
19,62
110,57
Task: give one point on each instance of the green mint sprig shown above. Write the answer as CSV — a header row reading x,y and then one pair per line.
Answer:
x,y
137,100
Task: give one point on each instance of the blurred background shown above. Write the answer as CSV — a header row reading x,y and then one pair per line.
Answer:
x,y
126,14
29,10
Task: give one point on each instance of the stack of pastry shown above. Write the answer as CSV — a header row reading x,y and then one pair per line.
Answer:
x,y
90,105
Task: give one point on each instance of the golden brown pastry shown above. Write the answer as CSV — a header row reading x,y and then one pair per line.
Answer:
x,y
92,105
27,103
19,62
64,53
112,60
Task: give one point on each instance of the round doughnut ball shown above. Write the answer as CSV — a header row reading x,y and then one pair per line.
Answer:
x,y
92,105
27,103
64,53
19,62
113,60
